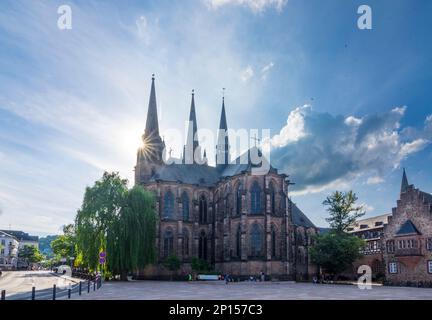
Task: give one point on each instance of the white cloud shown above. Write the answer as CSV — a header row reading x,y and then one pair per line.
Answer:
x,y
265,70
375,180
255,5
142,29
412,147
247,74
320,150
353,121
400,110
294,130
367,208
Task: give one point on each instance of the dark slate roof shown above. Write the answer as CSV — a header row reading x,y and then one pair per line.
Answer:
x,y
427,196
408,228
243,163
187,173
20,235
299,218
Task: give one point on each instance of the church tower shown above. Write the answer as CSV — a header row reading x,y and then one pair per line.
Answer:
x,y
191,150
149,155
222,148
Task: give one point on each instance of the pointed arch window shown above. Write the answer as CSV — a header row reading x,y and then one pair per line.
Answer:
x,y
185,243
273,241
239,199
202,246
168,243
256,237
203,209
272,198
168,205
255,198
185,206
238,242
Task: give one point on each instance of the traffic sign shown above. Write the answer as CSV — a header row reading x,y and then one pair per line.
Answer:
x,y
102,254
102,260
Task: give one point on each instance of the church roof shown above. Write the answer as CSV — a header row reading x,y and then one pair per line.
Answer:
x,y
243,163
299,218
187,173
407,228
426,196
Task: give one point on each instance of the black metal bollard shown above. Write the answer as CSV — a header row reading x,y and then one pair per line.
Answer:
x,y
3,295
94,286
33,293
54,291
69,293
88,286
80,288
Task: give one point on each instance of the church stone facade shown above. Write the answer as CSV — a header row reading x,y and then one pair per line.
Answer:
x,y
239,222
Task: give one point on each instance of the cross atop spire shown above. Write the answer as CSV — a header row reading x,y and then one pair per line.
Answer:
x,y
404,184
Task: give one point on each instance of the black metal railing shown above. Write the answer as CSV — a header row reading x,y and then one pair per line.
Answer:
x,y
56,292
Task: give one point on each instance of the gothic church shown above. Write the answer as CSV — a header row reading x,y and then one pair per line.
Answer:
x,y
239,222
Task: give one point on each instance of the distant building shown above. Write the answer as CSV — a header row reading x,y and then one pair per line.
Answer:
x,y
408,238
8,250
23,238
372,231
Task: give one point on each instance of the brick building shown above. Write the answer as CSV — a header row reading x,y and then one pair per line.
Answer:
x,y
239,222
408,238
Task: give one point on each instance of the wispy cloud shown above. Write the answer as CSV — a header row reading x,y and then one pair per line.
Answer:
x,y
247,74
254,5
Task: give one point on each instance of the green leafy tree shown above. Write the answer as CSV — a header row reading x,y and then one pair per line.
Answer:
x,y
30,254
99,211
342,209
64,246
336,250
131,237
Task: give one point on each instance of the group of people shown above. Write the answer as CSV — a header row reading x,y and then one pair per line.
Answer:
x,y
228,278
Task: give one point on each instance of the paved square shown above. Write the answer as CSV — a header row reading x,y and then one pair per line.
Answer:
x,y
150,290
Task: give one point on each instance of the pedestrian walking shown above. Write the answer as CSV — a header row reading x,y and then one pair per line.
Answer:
x,y
262,276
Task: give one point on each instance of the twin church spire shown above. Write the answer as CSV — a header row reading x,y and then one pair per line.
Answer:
x,y
192,149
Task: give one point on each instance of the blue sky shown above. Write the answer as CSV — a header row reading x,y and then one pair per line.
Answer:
x,y
347,108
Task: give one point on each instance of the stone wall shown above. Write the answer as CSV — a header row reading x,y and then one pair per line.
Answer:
x,y
411,263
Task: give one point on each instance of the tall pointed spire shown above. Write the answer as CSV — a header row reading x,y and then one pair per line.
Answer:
x,y
152,123
222,148
192,137
404,184
150,154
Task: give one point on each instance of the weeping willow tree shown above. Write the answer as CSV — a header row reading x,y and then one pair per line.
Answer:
x,y
131,238
98,214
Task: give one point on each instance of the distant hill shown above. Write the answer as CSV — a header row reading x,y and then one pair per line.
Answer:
x,y
45,245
